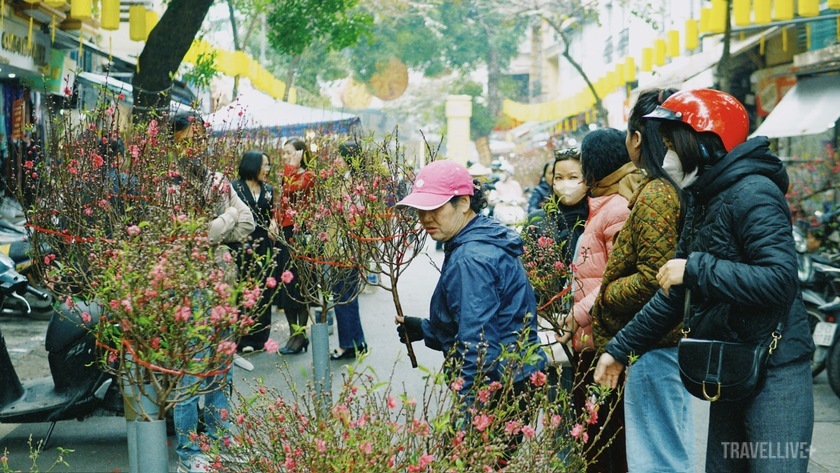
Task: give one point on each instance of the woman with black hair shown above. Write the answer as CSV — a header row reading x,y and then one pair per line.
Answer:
x,y
612,180
232,224
734,279
256,253
297,183
659,431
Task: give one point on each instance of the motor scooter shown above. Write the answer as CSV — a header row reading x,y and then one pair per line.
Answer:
x,y
15,243
76,387
819,281
827,338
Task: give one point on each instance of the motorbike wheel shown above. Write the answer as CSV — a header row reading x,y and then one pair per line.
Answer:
x,y
818,359
833,366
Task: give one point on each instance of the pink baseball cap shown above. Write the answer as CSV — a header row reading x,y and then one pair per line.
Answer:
x,y
438,182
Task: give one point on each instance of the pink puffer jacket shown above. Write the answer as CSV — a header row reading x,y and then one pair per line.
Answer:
x,y
606,217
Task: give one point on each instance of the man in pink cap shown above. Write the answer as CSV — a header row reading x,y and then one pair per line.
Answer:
x,y
483,302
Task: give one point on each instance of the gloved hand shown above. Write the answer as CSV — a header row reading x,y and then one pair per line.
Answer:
x,y
413,326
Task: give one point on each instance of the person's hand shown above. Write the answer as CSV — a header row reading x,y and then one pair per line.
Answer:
x,y
569,327
410,326
273,230
607,371
671,274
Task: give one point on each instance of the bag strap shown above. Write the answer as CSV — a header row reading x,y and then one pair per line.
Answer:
x,y
773,340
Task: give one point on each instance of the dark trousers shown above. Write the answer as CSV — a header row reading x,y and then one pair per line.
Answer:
x,y
613,458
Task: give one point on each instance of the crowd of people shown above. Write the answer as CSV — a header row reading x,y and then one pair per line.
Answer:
x,y
681,203
677,226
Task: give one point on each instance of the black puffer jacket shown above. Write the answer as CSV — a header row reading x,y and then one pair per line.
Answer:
x,y
741,264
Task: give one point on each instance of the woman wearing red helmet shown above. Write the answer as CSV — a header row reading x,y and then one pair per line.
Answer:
x,y
737,259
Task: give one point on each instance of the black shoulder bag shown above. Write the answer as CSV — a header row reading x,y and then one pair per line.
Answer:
x,y
715,370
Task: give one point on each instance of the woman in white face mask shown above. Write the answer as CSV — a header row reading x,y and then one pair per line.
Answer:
x,y
661,442
569,210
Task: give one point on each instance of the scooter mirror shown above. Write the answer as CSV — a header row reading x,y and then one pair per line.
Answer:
x,y
11,281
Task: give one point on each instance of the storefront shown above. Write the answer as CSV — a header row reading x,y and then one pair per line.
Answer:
x,y
803,127
25,60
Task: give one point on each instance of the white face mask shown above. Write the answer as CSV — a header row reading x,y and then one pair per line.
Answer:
x,y
569,191
672,165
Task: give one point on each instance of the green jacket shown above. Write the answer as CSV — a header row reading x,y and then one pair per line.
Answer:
x,y
645,243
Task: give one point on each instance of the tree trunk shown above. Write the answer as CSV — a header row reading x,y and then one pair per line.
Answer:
x,y
166,47
485,156
290,76
236,45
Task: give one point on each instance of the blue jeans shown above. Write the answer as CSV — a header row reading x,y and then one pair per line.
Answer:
x,y
769,432
657,415
186,415
350,333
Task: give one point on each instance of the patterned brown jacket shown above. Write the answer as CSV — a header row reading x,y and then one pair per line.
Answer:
x,y
647,241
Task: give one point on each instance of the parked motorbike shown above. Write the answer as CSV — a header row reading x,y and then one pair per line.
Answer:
x,y
828,336
15,243
76,388
819,278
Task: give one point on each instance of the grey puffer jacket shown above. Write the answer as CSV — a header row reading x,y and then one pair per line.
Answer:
x,y
741,263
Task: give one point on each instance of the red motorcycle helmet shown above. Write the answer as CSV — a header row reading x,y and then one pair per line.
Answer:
x,y
707,110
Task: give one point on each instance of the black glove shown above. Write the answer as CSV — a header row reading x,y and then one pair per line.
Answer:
x,y
413,326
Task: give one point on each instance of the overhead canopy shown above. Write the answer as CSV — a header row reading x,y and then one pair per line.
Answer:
x,y
253,111
812,106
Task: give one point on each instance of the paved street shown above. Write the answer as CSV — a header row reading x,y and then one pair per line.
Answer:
x,y
99,444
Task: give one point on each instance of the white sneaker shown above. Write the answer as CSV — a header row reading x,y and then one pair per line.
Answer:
x,y
243,363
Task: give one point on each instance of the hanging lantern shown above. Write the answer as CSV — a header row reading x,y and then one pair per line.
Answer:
x,y
692,36
630,69
647,59
705,19
619,74
673,49
782,10
717,18
808,8
293,95
137,23
29,1
835,4
81,9
55,3
808,37
110,16
659,48
761,11
741,12
152,19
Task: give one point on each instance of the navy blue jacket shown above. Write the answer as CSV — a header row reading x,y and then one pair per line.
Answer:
x,y
741,263
482,302
538,195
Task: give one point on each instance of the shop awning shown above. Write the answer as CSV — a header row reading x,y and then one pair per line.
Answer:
x,y
812,106
254,110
